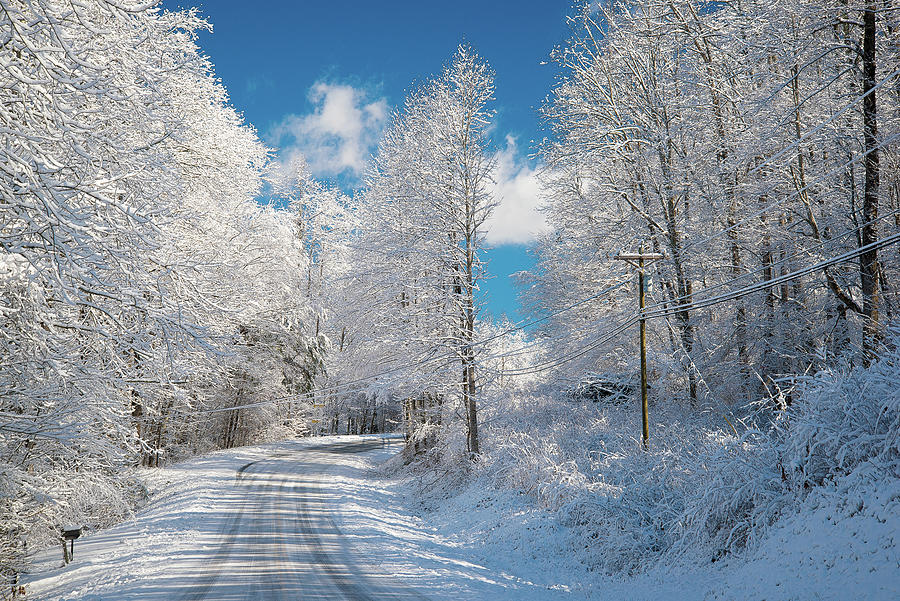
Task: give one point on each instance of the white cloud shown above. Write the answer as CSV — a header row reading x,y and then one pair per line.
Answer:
x,y
338,135
516,219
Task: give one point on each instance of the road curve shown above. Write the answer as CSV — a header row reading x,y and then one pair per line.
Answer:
x,y
279,541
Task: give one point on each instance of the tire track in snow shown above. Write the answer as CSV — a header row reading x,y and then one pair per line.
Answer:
x,y
199,590
347,574
289,504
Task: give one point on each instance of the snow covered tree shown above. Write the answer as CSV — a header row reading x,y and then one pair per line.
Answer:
x,y
83,189
136,267
737,139
427,200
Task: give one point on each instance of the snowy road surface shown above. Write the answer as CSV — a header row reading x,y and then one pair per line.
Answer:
x,y
280,540
315,519
295,520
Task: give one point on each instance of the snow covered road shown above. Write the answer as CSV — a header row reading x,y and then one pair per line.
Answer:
x,y
281,542
269,535
316,519
305,519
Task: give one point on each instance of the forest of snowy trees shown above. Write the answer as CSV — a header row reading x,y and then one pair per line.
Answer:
x,y
142,287
168,287
752,144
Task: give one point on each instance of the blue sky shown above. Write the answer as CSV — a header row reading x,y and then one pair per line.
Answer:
x,y
321,77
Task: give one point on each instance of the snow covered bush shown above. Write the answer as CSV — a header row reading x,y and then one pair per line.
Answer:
x,y
704,490
841,430
845,423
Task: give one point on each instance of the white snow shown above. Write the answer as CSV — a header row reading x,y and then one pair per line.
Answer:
x,y
479,543
833,548
178,532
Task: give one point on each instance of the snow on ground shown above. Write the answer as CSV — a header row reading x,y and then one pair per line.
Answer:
x,y
123,562
827,551
835,547
479,544
439,558
178,532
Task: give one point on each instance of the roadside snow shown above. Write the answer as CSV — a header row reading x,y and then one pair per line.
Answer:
x,y
480,543
836,547
133,559
443,558
178,531
833,548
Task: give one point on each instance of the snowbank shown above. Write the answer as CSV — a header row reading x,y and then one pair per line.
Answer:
x,y
793,502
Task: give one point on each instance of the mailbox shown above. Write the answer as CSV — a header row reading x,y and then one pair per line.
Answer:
x,y
70,533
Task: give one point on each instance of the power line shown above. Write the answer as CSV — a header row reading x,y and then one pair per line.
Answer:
x,y
332,392
889,240
665,311
668,303
519,326
804,251
884,242
794,194
732,227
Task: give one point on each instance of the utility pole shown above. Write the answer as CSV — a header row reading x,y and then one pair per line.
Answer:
x,y
641,259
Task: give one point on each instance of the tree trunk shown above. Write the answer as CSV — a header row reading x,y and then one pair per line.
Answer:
x,y
868,261
471,409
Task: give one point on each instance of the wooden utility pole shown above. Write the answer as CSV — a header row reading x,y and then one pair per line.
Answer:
x,y
640,257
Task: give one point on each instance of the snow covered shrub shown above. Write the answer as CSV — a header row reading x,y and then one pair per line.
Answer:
x,y
36,504
702,491
842,428
734,492
530,457
629,510
581,463
100,500
845,421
